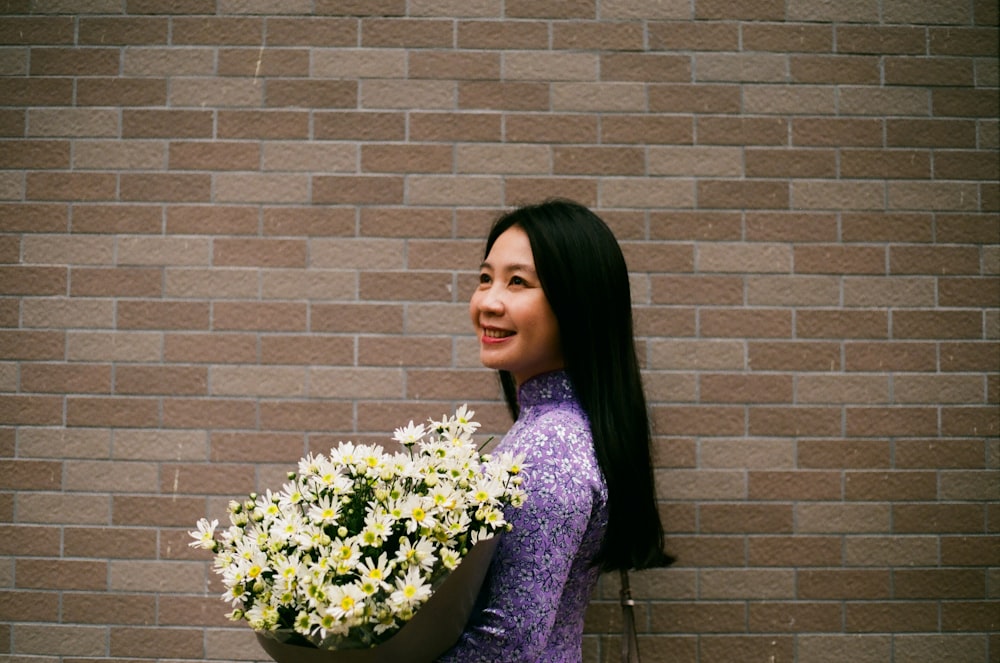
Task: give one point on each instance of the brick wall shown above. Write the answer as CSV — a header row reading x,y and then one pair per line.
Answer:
x,y
235,234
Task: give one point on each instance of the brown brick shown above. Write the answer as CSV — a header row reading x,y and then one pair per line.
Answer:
x,y
892,617
579,9
962,41
881,39
408,33
941,454
217,155
844,584
742,9
623,36
641,129
875,421
157,511
795,617
62,574
70,186
928,71
965,165
55,378
835,69
939,583
844,453
903,132
795,421
121,92
105,608
472,127
457,65
12,122
305,416
209,220
111,542
357,189
698,420
734,647
274,62
501,95
209,348
16,280
695,225
746,323
133,641
717,290
231,31
968,551
209,413
31,410
937,324
965,421
311,94
841,324
784,38
897,164
741,194
198,611
970,356
37,30
793,356
163,187
745,518
742,131
895,356
318,31
406,158
686,98
839,259
509,35
35,154
166,380
266,124
519,190
259,252
790,163
886,227
40,92
684,617
890,486
795,485
728,388
840,132
254,316
118,218
795,551
305,221
162,315
597,161
937,518
167,124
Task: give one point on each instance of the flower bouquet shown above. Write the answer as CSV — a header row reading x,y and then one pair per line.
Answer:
x,y
335,565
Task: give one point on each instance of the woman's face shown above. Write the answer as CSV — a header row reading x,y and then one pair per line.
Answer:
x,y
516,327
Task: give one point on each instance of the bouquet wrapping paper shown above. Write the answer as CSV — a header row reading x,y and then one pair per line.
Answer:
x,y
432,631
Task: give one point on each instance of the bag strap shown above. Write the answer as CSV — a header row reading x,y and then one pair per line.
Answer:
x,y
630,642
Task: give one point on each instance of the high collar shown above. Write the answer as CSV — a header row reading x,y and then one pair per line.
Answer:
x,y
551,387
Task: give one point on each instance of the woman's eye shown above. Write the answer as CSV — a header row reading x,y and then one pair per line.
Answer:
x,y
484,278
516,280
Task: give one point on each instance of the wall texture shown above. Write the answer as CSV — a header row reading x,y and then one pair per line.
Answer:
x,y
240,232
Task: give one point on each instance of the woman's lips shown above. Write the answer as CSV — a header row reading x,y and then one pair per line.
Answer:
x,y
493,335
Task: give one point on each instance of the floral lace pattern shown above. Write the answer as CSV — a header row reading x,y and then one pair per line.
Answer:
x,y
532,604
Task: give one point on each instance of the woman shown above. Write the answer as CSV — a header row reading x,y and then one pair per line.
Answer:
x,y
553,315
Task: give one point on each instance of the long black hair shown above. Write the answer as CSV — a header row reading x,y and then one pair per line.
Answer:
x,y
583,274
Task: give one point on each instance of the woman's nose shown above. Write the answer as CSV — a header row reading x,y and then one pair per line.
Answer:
x,y
490,301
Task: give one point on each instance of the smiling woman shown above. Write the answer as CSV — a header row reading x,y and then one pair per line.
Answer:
x,y
552,312
517,329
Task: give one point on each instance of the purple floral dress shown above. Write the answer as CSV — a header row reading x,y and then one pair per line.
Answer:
x,y
533,601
